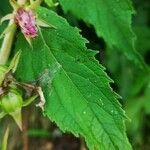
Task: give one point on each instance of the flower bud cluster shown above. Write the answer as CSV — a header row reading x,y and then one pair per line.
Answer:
x,y
26,19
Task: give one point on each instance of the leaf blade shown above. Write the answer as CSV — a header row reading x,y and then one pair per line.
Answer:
x,y
79,99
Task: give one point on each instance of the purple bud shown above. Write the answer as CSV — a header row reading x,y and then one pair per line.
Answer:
x,y
27,22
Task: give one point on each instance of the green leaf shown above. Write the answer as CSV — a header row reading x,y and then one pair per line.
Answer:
x,y
111,20
78,96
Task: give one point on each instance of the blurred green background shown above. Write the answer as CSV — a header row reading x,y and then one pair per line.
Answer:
x,y
130,82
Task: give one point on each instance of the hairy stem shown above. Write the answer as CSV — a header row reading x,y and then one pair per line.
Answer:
x,y
8,40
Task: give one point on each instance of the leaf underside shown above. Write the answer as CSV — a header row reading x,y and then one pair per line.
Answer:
x,y
78,96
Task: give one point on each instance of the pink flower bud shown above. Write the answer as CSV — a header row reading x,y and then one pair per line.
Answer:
x,y
27,22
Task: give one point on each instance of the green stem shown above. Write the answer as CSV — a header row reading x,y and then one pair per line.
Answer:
x,y
6,45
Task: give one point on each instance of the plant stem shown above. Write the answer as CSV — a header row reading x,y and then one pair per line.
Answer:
x,y
6,45
8,40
